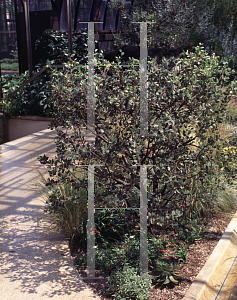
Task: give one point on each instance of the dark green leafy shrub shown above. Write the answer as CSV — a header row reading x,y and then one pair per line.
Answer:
x,y
113,257
9,84
184,107
117,241
53,46
178,23
33,99
190,230
113,225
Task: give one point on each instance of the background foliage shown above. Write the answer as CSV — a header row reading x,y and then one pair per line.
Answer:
x,y
182,23
53,46
35,98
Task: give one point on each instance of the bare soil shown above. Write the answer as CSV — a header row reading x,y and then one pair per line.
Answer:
x,y
198,254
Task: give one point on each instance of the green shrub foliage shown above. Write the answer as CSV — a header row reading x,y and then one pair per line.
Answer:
x,y
187,99
33,99
176,23
53,46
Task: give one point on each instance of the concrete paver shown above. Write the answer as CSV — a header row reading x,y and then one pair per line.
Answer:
x,y
35,259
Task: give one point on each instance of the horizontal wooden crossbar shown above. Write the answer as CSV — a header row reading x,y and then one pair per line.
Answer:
x,y
30,80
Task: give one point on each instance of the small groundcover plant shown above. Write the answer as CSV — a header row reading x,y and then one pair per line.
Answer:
x,y
186,104
127,284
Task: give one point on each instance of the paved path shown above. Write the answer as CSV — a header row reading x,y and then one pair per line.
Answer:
x,y
35,260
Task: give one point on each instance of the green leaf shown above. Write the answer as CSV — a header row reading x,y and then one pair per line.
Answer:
x,y
172,279
167,280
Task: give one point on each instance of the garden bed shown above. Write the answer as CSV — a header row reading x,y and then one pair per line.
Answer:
x,y
197,256
190,174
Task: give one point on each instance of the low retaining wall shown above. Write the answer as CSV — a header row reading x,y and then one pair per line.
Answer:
x,y
218,277
18,127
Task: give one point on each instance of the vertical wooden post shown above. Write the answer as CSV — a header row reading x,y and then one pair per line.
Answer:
x,y
18,36
69,22
28,36
6,26
1,94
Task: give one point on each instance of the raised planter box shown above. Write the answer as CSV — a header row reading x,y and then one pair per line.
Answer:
x,y
18,127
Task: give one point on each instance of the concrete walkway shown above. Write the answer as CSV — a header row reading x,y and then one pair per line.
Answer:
x,y
35,259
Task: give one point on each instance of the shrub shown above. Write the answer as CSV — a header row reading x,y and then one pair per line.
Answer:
x,y
117,242
113,225
176,23
184,106
53,46
33,99
127,284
